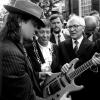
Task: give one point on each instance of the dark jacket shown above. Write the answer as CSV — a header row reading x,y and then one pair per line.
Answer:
x,y
36,64
19,79
88,78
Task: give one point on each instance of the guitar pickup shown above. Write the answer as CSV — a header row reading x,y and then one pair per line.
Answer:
x,y
54,87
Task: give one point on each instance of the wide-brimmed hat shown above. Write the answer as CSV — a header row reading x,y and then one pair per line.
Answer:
x,y
26,7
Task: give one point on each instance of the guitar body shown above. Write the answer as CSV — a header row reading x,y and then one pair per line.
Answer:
x,y
58,84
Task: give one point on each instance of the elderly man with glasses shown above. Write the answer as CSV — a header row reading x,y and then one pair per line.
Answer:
x,y
78,46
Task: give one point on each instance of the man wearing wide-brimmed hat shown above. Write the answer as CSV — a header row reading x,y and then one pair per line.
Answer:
x,y
18,77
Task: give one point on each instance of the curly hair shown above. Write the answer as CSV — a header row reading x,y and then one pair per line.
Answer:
x,y
11,29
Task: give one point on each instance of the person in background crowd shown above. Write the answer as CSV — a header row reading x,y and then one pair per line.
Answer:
x,y
58,34
19,80
96,14
91,30
80,47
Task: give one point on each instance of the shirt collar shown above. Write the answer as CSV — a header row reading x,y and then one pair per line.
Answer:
x,y
79,41
45,47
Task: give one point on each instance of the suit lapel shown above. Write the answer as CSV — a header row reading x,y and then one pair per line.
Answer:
x,y
82,46
52,39
70,46
53,53
29,69
28,63
55,58
68,50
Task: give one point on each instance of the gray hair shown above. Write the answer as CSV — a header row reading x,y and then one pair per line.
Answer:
x,y
80,20
91,19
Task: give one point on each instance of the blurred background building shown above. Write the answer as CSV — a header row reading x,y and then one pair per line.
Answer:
x,y
81,7
64,7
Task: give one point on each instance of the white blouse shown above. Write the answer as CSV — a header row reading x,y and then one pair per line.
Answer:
x,y
47,54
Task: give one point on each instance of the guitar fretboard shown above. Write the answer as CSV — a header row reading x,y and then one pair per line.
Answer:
x,y
80,69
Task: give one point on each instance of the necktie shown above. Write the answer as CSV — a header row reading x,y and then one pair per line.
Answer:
x,y
58,39
76,46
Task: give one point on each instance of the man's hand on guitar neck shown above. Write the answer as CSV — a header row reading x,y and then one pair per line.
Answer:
x,y
96,59
96,62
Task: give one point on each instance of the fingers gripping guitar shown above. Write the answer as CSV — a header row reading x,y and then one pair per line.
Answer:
x,y
57,85
65,68
96,58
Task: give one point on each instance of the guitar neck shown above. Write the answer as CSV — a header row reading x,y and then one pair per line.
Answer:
x,y
80,69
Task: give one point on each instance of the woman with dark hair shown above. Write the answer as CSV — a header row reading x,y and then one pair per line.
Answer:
x,y
19,80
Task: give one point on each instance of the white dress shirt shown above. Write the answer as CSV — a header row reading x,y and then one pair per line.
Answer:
x,y
79,42
47,54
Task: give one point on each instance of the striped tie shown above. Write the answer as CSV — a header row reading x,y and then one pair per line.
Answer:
x,y
76,46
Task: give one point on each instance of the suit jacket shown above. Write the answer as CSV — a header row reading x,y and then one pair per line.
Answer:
x,y
36,64
88,78
96,36
18,77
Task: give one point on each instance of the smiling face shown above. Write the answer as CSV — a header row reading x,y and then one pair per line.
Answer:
x,y
75,29
44,36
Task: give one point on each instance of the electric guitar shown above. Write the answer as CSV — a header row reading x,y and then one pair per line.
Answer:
x,y
58,84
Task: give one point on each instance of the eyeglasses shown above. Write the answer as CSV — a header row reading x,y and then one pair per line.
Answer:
x,y
74,26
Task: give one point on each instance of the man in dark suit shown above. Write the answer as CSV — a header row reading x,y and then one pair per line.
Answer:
x,y
58,33
91,29
19,80
80,47
96,14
